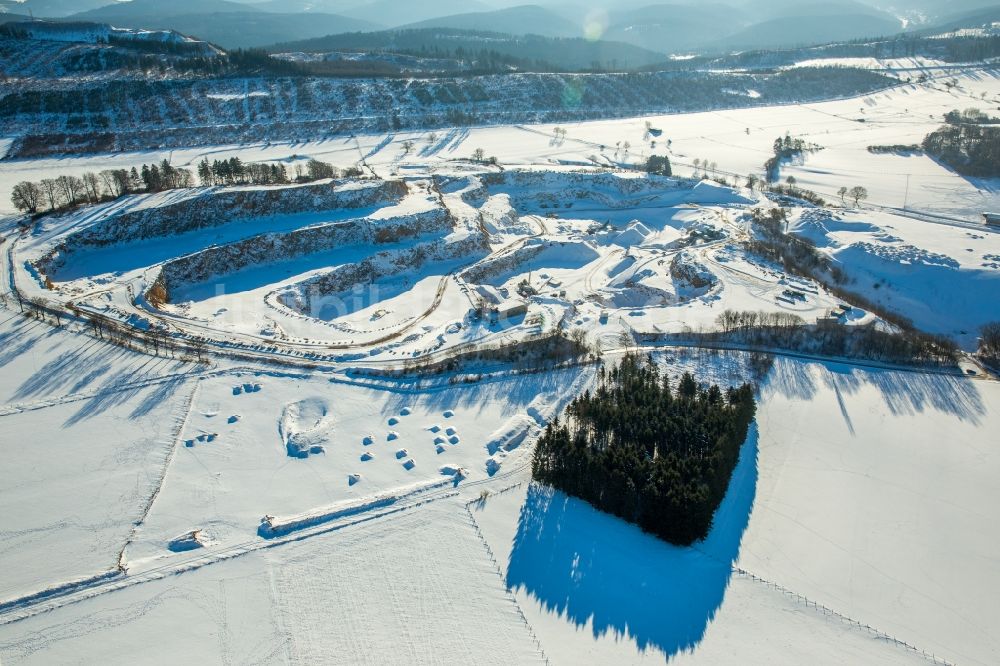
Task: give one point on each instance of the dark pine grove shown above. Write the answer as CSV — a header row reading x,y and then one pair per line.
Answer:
x,y
655,456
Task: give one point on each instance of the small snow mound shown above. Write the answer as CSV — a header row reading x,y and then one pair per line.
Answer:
x,y
191,541
450,431
454,439
511,434
402,453
409,464
435,428
405,411
237,390
393,421
304,426
449,414
368,440
234,418
439,440
635,233
353,479
440,449
710,192
492,466
454,470
365,457
392,436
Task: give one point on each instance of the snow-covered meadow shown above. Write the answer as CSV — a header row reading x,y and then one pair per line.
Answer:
x,y
859,511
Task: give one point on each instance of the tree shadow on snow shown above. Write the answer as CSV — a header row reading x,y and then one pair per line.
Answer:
x,y
981,183
514,393
18,340
77,369
160,394
593,569
902,392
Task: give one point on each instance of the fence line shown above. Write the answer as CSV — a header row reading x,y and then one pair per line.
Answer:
x,y
933,658
496,564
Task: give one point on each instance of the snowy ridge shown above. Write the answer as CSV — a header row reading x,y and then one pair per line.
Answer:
x,y
176,113
269,248
385,264
60,590
495,266
536,190
214,207
272,527
102,33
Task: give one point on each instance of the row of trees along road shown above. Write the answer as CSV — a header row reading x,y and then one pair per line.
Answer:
x,y
66,192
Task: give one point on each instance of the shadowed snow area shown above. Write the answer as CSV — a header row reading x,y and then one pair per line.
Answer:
x,y
607,576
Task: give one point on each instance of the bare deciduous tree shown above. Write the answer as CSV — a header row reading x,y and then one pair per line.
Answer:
x,y
50,188
92,186
858,193
27,197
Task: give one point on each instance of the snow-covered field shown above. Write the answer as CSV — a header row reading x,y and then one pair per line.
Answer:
x,y
233,509
867,493
860,510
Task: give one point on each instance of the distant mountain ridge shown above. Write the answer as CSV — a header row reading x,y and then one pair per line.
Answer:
x,y
804,30
395,13
569,53
525,19
677,26
672,28
49,8
228,24
148,9
963,20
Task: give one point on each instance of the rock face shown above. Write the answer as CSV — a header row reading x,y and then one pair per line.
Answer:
x,y
690,275
214,207
381,265
268,248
